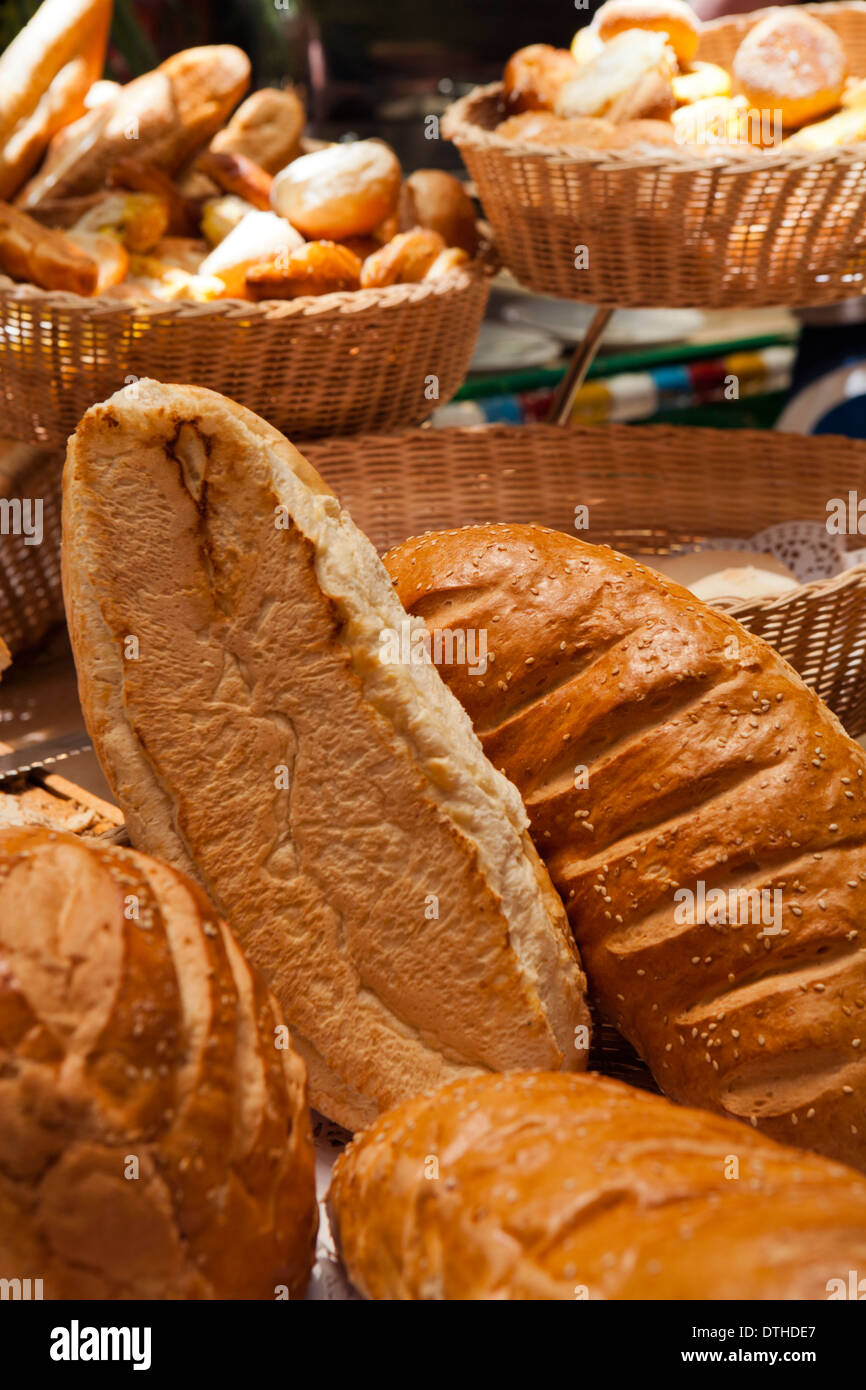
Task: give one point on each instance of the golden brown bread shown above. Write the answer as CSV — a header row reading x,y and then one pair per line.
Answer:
x,y
340,191
45,75
792,63
164,116
404,260
154,1134
47,258
336,806
317,267
673,18
238,175
434,199
660,747
534,75
266,128
576,1187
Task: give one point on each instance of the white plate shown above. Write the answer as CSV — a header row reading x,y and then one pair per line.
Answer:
x,y
629,328
502,347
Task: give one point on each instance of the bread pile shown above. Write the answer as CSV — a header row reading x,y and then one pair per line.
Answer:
x,y
168,189
154,1134
632,81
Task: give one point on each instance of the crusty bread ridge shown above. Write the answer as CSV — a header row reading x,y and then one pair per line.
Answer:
x,y
577,1187
132,1028
329,804
708,761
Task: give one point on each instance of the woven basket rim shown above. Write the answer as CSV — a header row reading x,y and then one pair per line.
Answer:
x,y
853,577
343,302
460,124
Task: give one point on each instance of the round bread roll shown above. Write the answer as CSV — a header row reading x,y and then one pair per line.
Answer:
x,y
154,1134
543,128
556,1187
699,81
316,268
534,75
437,200
791,62
674,18
404,260
266,128
342,191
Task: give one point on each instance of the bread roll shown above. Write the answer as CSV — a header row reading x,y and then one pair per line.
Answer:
x,y
316,268
161,117
791,62
673,18
436,200
259,236
606,86
663,753
334,802
238,176
402,261
847,127
574,1187
44,257
725,574
534,75
342,191
543,128
45,75
154,1134
700,81
266,128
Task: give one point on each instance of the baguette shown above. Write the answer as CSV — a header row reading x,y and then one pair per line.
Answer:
x,y
47,258
162,117
663,753
132,1029
45,75
336,806
574,1187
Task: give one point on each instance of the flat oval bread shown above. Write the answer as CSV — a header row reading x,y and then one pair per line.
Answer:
x,y
227,622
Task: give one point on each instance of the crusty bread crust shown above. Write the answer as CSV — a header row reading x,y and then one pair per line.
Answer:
x,y
131,1027
339,811
574,1187
708,761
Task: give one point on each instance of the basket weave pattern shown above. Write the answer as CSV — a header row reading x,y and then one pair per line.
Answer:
x,y
649,490
676,231
336,364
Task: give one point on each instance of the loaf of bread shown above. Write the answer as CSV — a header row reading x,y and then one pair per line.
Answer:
x,y
573,1187
162,117
45,75
700,810
329,795
154,1134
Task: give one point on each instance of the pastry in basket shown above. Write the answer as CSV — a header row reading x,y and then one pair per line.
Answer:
x,y
342,191
715,121
632,78
219,216
846,127
45,75
139,176
673,18
542,1187
139,220
544,128
404,260
46,257
156,1139
314,268
259,236
286,737
266,128
712,851
170,112
791,63
534,75
437,200
699,81
238,176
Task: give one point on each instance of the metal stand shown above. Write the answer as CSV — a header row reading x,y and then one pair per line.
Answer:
x,y
582,359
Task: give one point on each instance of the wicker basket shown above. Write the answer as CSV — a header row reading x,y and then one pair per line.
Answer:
x,y
671,229
650,491
339,363
31,598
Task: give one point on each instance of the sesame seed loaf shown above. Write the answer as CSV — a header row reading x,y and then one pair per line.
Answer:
x,y
664,753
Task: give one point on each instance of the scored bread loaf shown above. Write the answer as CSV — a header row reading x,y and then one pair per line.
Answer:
x,y
574,1187
154,1134
664,753
226,618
